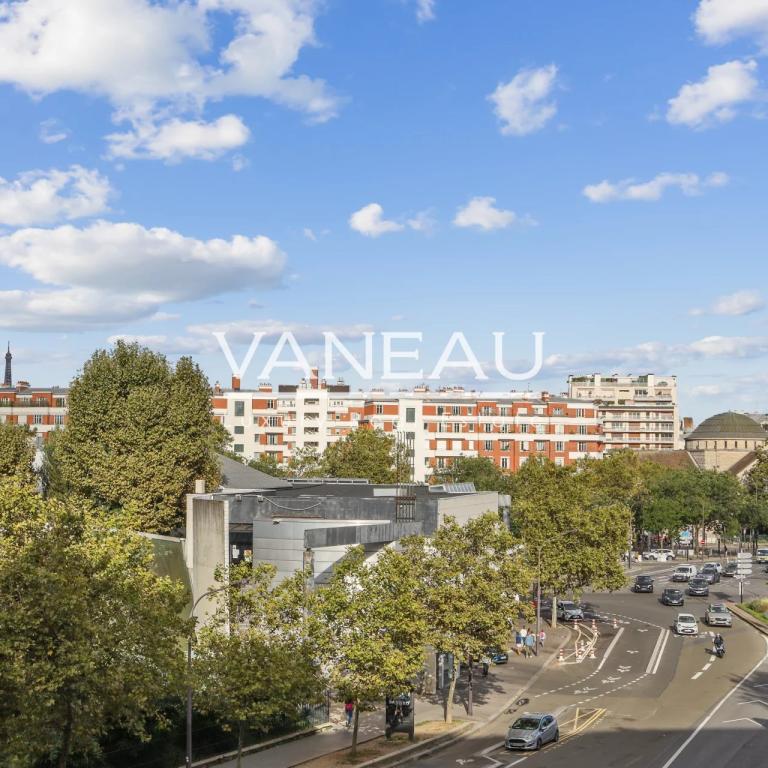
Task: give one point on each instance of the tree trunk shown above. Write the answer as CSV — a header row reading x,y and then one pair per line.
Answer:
x,y
553,623
66,742
240,729
451,691
470,703
353,751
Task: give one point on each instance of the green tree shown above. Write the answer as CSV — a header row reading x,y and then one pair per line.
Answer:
x,y
89,635
374,628
365,453
754,512
468,578
139,433
17,452
305,462
51,477
479,470
254,667
268,464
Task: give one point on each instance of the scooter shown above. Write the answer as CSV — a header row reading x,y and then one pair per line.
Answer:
x,y
719,651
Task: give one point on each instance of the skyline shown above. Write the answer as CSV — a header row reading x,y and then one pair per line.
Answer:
x,y
269,165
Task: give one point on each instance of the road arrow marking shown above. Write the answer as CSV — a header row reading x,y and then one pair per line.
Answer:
x,y
754,701
744,719
633,651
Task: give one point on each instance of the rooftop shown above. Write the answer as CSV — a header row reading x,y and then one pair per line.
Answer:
x,y
730,425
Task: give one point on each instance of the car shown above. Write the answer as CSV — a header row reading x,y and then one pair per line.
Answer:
x,y
698,587
686,624
714,564
569,611
710,573
665,554
761,555
532,730
643,584
684,573
672,596
718,615
730,569
498,656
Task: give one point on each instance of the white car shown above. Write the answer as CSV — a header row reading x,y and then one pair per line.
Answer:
x,y
718,566
665,554
686,624
761,556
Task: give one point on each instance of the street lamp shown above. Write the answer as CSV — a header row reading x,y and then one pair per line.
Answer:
x,y
538,586
236,584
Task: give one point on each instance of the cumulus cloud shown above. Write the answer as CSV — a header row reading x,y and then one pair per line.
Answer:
x,y
425,10
370,221
719,21
43,197
523,105
109,272
178,139
482,213
715,98
423,221
52,131
660,355
630,189
164,58
734,304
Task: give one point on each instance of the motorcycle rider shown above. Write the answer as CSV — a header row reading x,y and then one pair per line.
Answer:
x,y
719,645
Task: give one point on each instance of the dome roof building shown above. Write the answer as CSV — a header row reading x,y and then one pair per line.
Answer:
x,y
725,440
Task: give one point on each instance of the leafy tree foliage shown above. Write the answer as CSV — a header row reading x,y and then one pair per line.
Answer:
x,y
374,628
468,577
139,433
305,462
89,635
17,452
268,464
365,453
479,470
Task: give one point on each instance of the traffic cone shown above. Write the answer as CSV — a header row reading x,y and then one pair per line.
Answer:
x,y
592,653
594,624
615,623
560,656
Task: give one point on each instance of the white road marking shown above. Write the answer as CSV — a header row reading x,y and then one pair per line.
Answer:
x,y
610,648
491,748
754,701
697,676
515,762
716,708
707,666
661,652
655,651
743,719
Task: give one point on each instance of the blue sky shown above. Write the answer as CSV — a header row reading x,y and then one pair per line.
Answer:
x,y
593,170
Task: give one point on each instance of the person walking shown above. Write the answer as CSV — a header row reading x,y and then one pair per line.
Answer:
x,y
349,711
530,643
518,642
542,638
523,638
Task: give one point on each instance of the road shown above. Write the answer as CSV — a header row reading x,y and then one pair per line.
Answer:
x,y
648,698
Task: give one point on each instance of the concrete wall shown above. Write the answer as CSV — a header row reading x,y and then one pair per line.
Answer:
x,y
465,508
207,547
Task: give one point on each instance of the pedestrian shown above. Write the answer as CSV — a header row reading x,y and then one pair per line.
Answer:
x,y
542,637
486,662
518,642
530,643
349,711
523,635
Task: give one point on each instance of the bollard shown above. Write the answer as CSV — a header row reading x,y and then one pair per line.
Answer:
x,y
560,656
615,623
592,653
594,624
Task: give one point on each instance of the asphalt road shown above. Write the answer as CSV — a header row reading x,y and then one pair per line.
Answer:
x,y
648,698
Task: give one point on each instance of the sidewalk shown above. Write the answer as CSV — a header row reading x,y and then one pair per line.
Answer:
x,y
491,695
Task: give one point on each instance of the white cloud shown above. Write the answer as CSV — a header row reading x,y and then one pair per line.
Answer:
x,y
370,221
425,10
239,163
52,131
707,390
423,221
169,58
629,189
110,272
179,139
734,304
522,105
42,197
719,21
715,98
309,233
481,213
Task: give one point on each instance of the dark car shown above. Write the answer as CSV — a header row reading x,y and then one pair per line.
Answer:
x,y
643,584
730,569
710,573
698,587
672,596
498,656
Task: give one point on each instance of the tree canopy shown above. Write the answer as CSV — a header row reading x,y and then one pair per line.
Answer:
x,y
364,453
17,451
480,470
139,433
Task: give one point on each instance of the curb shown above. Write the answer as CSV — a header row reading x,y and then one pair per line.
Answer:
x,y
748,618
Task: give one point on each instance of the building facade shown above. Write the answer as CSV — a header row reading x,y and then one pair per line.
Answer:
x,y
726,442
637,412
508,428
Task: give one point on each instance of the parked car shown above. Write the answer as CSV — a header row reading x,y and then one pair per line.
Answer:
x,y
684,573
569,611
643,584
730,569
665,554
532,730
715,565
717,615
686,624
698,587
498,656
672,596
710,573
761,556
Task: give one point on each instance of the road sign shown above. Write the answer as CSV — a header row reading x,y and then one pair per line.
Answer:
x,y
744,556
743,571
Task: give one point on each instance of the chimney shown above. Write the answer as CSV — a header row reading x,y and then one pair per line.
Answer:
x,y
200,485
236,383
314,379
217,388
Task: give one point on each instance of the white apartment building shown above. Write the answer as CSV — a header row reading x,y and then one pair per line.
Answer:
x,y
638,412
507,427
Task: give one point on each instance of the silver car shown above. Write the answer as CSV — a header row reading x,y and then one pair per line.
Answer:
x,y
532,730
717,615
569,611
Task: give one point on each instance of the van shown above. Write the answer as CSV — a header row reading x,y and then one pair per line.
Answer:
x,y
761,556
684,572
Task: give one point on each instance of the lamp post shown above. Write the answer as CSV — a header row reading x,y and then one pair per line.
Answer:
x,y
236,584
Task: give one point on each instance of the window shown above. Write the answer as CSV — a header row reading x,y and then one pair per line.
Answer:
x,y
559,447
541,429
503,411
439,410
239,430
541,445
273,421
379,409
456,426
559,461
559,429
38,420
583,429
524,445
488,445
504,462
583,447
270,404
557,411
239,408
58,420
524,429
410,415
271,439
504,445
61,402
238,447
456,410
579,412
487,427
504,428
470,410
471,427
